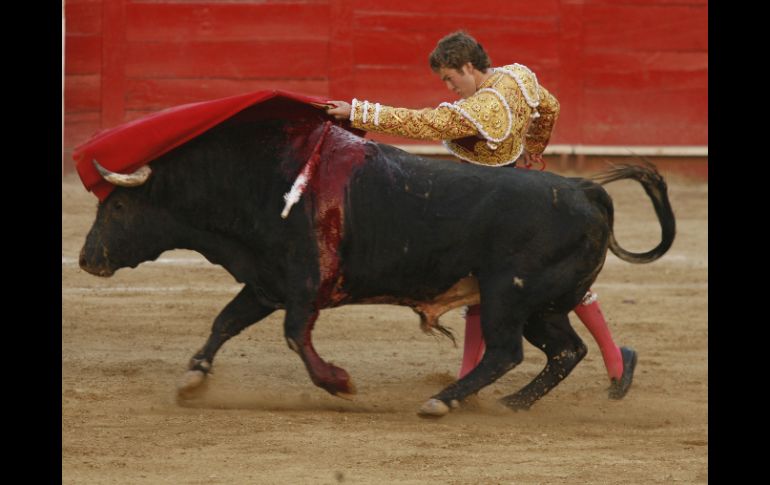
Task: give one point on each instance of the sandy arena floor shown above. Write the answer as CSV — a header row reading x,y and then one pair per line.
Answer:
x,y
126,340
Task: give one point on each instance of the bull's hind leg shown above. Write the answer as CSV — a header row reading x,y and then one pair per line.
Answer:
x,y
241,312
555,337
503,313
298,327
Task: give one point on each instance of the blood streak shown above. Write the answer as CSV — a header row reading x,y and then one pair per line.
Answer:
x,y
340,154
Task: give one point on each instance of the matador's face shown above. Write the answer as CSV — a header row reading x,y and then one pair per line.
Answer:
x,y
461,82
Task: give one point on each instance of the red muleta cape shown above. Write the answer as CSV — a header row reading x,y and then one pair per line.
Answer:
x,y
127,147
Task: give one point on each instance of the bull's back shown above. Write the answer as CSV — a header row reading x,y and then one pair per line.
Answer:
x,y
415,226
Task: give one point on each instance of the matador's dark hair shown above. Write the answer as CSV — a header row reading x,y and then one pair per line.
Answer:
x,y
456,49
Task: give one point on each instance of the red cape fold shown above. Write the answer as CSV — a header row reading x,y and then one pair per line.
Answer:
x,y
127,147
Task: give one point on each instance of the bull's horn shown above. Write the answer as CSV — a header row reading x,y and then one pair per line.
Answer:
x,y
124,180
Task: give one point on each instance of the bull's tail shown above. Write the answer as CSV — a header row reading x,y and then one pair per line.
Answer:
x,y
657,191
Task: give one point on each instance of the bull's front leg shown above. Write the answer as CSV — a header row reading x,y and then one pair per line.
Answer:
x,y
298,328
241,312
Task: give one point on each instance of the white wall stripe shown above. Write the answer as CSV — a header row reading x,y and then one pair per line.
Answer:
x,y
67,261
76,290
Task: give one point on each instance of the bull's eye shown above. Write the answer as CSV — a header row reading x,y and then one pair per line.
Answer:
x,y
118,205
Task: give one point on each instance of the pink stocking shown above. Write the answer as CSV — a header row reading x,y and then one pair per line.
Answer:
x,y
473,349
592,318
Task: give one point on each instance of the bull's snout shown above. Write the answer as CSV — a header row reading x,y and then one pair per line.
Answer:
x,y
96,270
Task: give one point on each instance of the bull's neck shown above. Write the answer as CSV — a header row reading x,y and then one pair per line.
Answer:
x,y
241,262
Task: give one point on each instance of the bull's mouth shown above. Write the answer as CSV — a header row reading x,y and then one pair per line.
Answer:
x,y
100,268
102,272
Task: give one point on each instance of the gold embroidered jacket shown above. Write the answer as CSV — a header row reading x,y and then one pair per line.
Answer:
x,y
510,112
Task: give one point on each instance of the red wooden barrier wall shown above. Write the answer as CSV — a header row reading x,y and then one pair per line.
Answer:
x,y
626,72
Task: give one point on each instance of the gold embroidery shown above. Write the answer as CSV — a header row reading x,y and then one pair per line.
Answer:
x,y
493,124
482,115
504,154
539,133
526,81
425,124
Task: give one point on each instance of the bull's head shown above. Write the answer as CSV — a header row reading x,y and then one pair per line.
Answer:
x,y
129,228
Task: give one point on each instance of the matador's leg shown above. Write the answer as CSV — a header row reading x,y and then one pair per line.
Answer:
x,y
619,361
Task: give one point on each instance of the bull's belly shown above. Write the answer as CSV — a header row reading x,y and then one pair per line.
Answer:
x,y
462,293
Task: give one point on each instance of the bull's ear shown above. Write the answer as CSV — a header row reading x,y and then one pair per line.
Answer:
x,y
137,178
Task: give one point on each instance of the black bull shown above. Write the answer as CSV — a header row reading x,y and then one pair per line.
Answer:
x,y
376,225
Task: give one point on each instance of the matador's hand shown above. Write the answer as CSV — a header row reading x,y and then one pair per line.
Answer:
x,y
531,159
341,110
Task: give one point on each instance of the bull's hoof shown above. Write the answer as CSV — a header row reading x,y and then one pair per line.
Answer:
x,y
334,380
349,392
435,408
191,384
619,387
